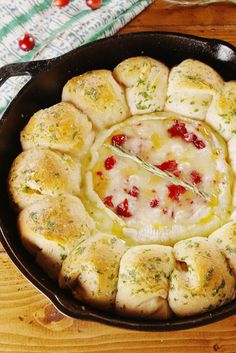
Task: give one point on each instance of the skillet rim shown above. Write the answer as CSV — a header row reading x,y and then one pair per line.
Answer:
x,y
83,311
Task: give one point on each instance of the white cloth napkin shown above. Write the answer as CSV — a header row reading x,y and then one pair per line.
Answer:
x,y
56,30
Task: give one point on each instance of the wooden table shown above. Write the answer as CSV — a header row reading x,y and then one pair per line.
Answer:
x,y
29,323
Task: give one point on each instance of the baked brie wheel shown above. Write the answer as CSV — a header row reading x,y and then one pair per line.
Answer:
x,y
126,189
160,208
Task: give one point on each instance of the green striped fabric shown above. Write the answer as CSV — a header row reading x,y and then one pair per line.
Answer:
x,y
56,30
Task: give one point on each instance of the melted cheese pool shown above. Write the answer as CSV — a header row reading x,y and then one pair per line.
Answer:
x,y
136,204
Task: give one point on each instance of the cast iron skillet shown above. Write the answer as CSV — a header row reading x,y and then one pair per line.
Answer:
x,y
43,90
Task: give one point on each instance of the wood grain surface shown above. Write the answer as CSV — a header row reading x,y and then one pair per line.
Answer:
x,y
29,323
212,21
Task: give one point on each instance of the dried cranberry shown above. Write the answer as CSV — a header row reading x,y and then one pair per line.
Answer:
x,y
123,209
108,201
110,162
170,166
118,140
195,177
154,203
178,129
134,191
190,137
175,191
199,144
99,173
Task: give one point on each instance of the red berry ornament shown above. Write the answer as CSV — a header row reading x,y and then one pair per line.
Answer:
x,y
26,42
93,4
60,3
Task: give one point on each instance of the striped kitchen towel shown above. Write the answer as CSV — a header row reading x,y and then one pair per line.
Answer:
x,y
56,30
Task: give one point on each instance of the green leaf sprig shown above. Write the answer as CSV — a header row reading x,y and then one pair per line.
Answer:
x,y
157,171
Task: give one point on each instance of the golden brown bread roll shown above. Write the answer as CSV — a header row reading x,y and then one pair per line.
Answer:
x,y
38,172
202,281
231,152
51,227
91,270
61,127
99,96
192,84
222,112
145,80
144,282
225,239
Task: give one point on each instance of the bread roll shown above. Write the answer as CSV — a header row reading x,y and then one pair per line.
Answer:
x,y
231,152
99,96
192,84
144,282
202,280
61,127
91,270
225,239
234,195
222,112
38,172
145,80
51,227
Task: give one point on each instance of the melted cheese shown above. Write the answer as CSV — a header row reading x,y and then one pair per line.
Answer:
x,y
173,218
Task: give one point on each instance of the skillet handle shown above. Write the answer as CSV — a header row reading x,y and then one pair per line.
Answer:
x,y
30,68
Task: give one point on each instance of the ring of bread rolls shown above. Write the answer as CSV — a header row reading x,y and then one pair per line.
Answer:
x,y
126,189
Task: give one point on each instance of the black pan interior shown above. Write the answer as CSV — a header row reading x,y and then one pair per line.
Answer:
x,y
43,91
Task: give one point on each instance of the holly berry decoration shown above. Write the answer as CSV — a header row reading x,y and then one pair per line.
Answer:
x,y
94,4
60,3
26,42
